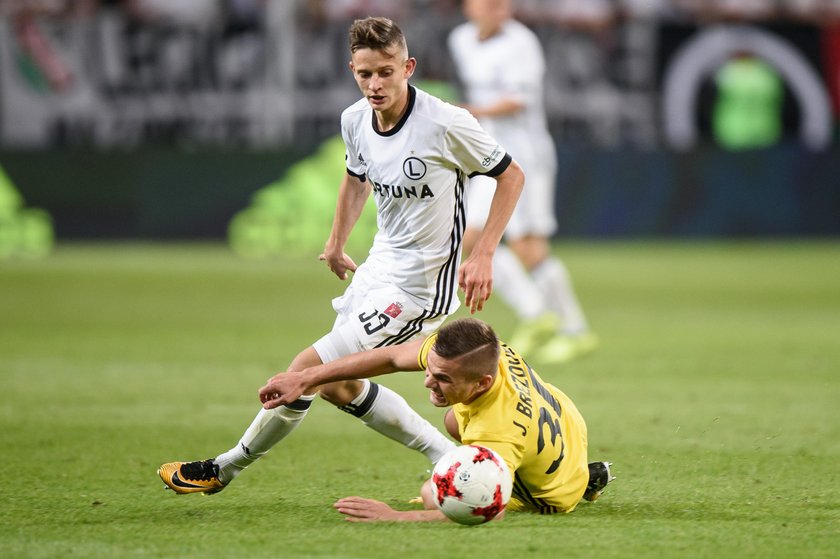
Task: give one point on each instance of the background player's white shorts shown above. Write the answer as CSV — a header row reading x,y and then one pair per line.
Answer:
x,y
374,314
534,212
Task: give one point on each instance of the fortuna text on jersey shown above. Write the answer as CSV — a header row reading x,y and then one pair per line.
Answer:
x,y
400,191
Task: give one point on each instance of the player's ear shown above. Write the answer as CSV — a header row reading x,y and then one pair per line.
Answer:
x,y
485,382
410,66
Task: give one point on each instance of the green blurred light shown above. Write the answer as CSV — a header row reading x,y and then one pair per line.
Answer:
x,y
24,232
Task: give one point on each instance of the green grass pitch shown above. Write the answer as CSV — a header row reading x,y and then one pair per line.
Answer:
x,y
715,392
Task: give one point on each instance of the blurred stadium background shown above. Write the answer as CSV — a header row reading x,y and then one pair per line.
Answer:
x,y
159,119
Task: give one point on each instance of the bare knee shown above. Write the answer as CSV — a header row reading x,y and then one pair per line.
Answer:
x,y
306,358
531,250
341,393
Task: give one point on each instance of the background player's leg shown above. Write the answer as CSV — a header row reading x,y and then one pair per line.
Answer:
x,y
512,281
537,322
574,338
571,337
517,288
554,282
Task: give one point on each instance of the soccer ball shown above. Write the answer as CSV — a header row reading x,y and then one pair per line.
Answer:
x,y
471,484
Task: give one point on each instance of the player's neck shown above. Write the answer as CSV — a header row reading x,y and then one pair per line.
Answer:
x,y
389,118
485,33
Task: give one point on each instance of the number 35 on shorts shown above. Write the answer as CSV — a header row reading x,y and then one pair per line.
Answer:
x,y
374,321
377,321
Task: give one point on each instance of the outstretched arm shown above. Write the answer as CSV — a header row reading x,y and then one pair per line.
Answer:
x,y
352,195
359,509
476,274
502,107
284,388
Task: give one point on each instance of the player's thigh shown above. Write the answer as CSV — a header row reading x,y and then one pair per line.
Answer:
x,y
376,316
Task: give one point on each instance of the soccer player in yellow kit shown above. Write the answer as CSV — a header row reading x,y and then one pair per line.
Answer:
x,y
496,401
534,426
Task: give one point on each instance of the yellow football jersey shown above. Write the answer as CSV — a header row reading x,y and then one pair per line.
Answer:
x,y
535,427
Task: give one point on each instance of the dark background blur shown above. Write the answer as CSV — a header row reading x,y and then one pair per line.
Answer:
x,y
159,119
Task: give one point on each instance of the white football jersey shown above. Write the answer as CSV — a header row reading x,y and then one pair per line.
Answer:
x,y
509,64
418,171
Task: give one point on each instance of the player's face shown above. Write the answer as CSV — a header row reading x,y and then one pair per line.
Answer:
x,y
382,77
447,382
488,15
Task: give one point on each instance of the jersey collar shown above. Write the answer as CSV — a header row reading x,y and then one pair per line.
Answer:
x,y
412,95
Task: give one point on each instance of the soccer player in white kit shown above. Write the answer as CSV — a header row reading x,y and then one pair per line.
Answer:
x,y
501,66
414,154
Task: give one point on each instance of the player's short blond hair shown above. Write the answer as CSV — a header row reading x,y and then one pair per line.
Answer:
x,y
376,33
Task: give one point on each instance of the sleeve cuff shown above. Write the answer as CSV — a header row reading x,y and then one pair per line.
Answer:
x,y
498,169
361,176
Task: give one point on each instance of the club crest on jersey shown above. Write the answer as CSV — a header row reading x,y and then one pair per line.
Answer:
x,y
393,310
414,168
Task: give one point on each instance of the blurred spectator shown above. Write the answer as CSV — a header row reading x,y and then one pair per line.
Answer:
x,y
427,32
44,58
729,10
352,9
321,48
187,13
646,9
817,12
586,15
248,12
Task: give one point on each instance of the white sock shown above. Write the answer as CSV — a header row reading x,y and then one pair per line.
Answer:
x,y
512,281
268,428
386,412
556,287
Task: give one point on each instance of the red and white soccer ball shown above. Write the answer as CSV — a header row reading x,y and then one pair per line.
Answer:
x,y
471,484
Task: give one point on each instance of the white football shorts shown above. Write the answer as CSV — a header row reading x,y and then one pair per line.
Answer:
x,y
373,314
534,212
